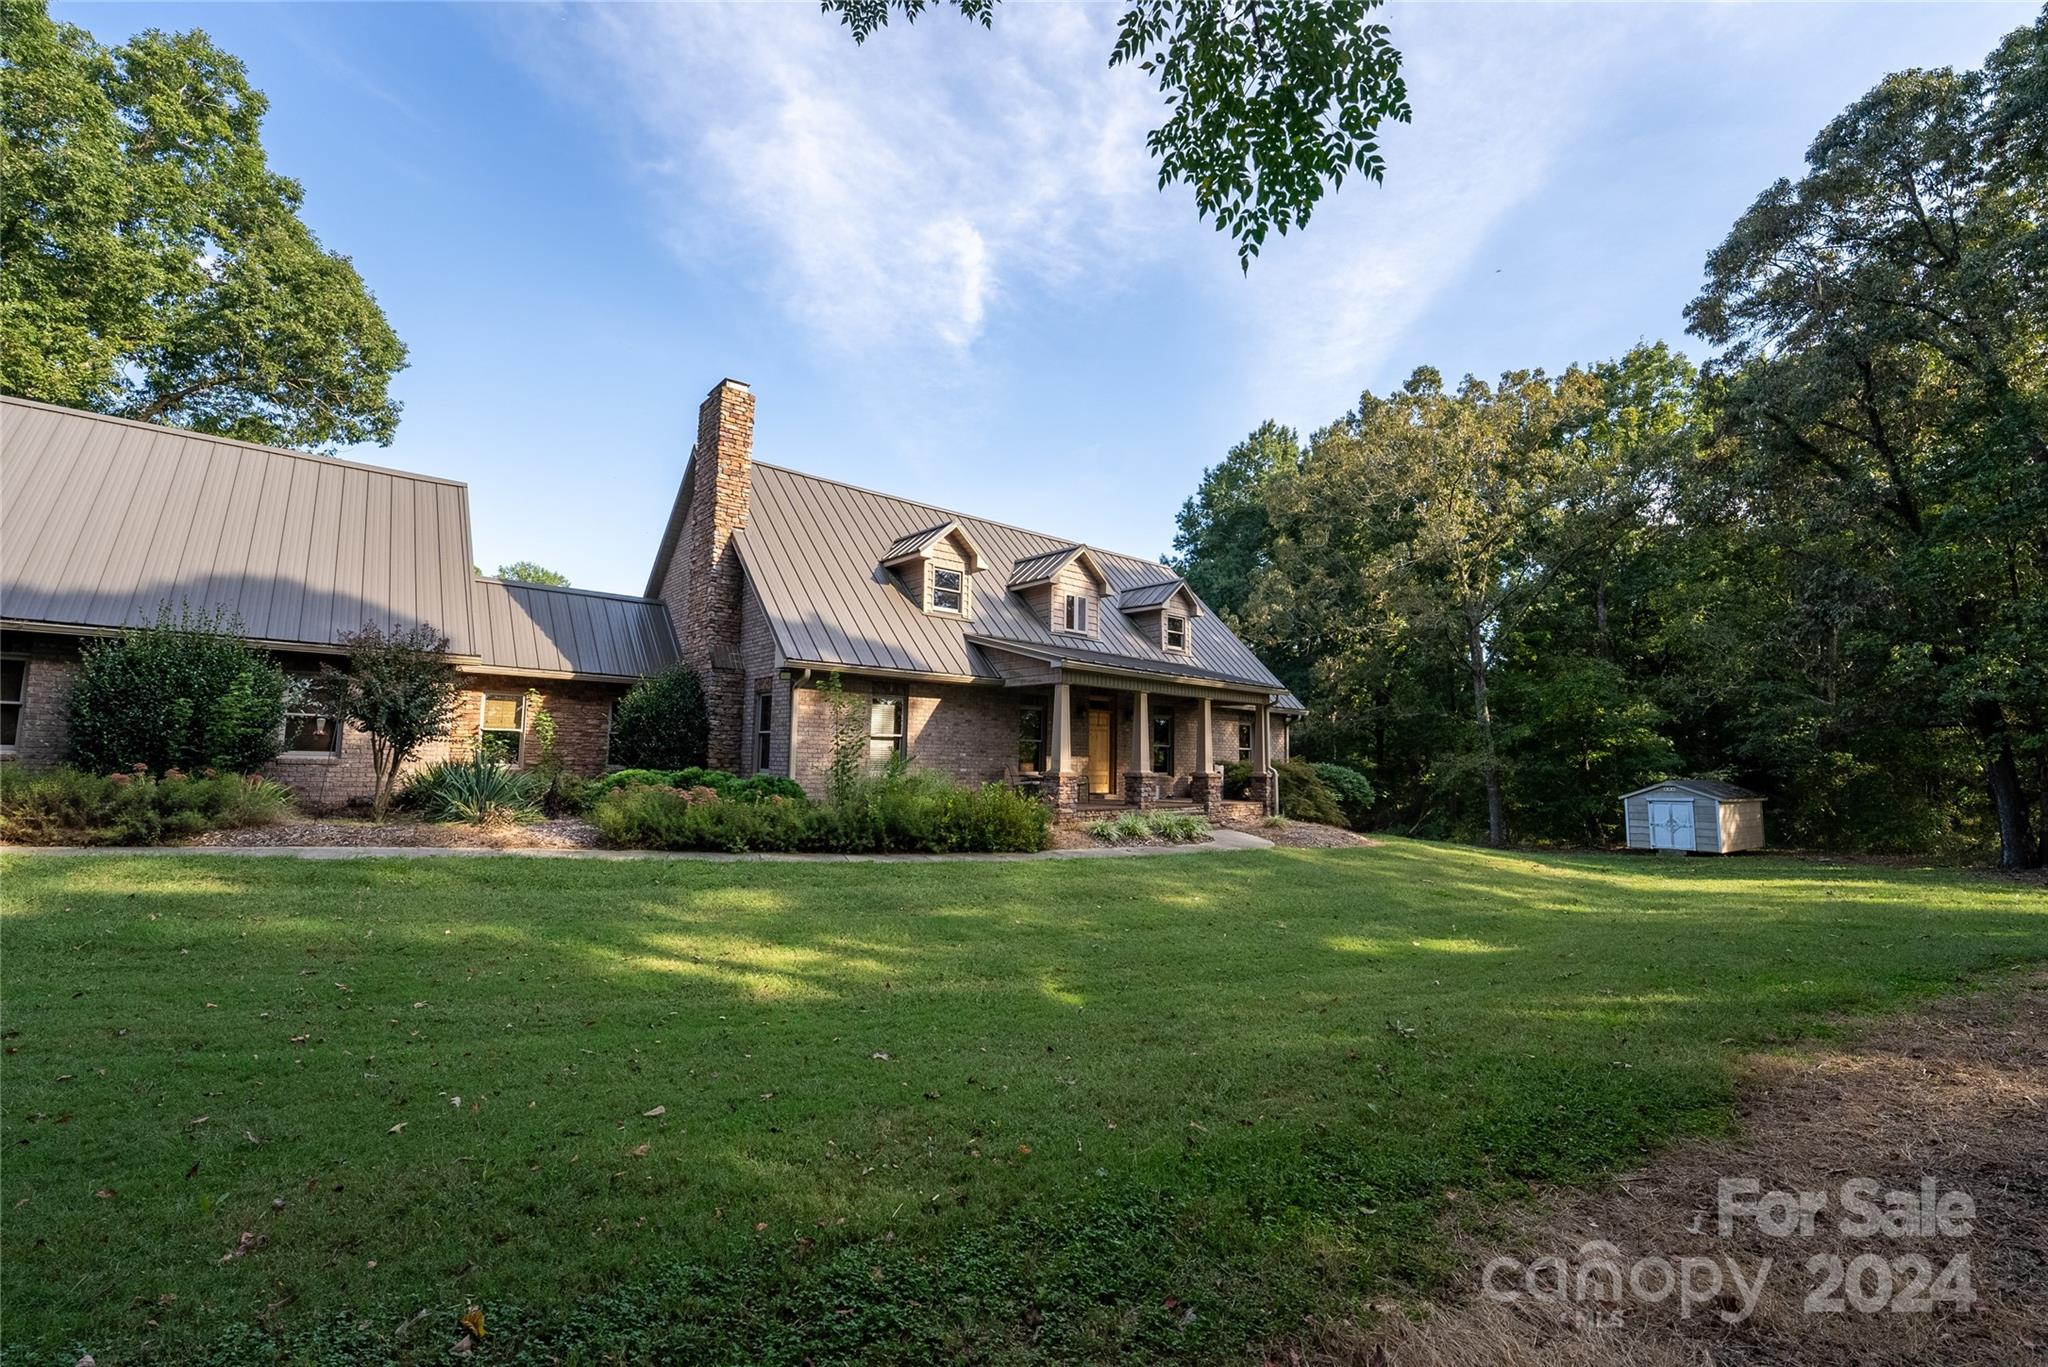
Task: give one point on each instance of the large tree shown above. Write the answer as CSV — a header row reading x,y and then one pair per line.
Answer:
x,y
151,262
1883,394
1270,103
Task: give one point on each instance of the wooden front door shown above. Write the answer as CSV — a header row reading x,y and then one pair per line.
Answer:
x,y
1100,752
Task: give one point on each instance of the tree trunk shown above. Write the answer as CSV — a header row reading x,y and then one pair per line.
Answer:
x,y
2002,781
1489,767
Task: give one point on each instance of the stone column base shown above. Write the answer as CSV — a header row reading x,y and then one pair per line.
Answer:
x,y
1207,791
1264,789
1064,792
1142,790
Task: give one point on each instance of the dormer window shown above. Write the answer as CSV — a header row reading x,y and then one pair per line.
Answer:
x,y
931,566
1077,612
1176,632
948,590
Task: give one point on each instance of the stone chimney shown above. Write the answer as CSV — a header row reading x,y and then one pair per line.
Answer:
x,y
701,584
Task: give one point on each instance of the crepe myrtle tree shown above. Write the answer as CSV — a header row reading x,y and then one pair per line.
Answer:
x,y
399,689
1270,103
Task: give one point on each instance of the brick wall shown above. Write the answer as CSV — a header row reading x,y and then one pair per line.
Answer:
x,y
967,731
702,586
760,662
44,733
582,713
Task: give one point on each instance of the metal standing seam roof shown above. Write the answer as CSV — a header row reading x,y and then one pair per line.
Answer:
x,y
1156,595
543,629
812,548
1043,569
103,519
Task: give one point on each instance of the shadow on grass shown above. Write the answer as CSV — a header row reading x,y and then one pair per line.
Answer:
x,y
903,1108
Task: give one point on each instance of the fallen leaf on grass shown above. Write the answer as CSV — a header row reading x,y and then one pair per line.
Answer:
x,y
658,1110
199,1120
396,1128
247,1244
641,1152
300,1039
105,1193
473,1320
462,1347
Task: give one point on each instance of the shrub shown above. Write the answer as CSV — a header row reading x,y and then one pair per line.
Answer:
x,y
893,813
1237,780
71,807
661,723
1352,790
184,692
479,789
1134,828
1304,796
644,818
759,788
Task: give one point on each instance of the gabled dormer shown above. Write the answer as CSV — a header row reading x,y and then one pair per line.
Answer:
x,y
933,566
1163,613
1063,589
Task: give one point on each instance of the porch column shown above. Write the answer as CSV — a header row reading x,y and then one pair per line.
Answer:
x,y
1141,735
1262,756
1062,737
1205,743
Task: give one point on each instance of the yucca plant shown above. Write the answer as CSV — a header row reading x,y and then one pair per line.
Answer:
x,y
479,790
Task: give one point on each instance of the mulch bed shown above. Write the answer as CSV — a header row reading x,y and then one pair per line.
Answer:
x,y
567,833
1306,835
1957,1092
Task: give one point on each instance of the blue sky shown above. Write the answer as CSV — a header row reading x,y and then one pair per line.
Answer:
x,y
941,259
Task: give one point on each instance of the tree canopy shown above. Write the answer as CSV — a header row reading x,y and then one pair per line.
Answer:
x,y
526,572
1818,567
154,266
1270,103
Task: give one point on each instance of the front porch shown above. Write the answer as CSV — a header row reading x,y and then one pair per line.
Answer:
x,y
1105,747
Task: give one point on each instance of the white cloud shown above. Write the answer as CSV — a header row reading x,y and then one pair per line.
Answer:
x,y
1499,93
890,193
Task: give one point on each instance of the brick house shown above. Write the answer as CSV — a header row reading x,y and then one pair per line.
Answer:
x,y
969,646
975,647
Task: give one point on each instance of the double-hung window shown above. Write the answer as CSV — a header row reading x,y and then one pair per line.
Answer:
x,y
885,728
949,590
504,723
1077,612
1244,742
13,699
1162,741
764,727
1031,738
310,726
1176,632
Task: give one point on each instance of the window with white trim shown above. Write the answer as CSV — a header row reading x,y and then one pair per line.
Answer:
x,y
949,590
885,727
1176,632
310,726
13,698
1077,612
504,725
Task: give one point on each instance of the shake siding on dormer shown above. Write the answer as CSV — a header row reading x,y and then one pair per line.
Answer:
x,y
1075,580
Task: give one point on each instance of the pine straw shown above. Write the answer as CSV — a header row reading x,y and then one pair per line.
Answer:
x,y
1958,1092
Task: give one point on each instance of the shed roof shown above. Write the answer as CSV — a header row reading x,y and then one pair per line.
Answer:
x,y
812,549
536,628
103,519
1705,787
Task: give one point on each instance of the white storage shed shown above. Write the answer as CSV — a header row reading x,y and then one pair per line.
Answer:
x,y
1695,815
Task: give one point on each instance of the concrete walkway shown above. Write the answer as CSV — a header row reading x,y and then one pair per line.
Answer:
x,y
1218,841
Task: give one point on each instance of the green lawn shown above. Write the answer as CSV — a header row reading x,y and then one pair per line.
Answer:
x,y
1147,1108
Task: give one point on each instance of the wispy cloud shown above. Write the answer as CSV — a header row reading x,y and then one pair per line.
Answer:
x,y
893,193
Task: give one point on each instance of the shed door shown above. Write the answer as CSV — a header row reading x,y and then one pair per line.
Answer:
x,y
1671,824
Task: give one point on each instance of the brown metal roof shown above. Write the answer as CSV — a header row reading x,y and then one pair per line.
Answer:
x,y
103,519
812,548
1155,595
534,628
1043,569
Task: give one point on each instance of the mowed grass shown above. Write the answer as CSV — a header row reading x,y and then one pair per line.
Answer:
x,y
1152,1108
